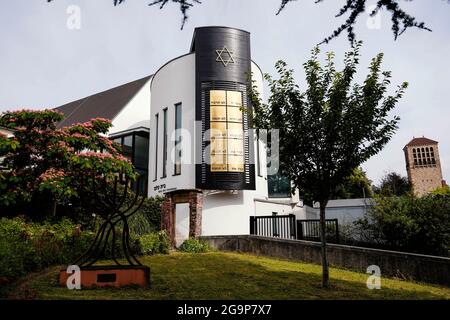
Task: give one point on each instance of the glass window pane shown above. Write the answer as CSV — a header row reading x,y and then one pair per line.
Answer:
x,y
164,143
177,168
235,131
218,113
218,163
218,130
217,98
127,149
234,114
236,147
278,186
235,163
234,98
218,146
141,152
156,144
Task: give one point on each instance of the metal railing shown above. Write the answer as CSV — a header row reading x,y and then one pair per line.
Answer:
x,y
273,226
287,227
309,229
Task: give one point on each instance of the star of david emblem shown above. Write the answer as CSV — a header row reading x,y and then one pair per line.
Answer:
x,y
222,56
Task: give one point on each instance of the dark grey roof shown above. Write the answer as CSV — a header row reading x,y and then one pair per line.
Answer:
x,y
106,104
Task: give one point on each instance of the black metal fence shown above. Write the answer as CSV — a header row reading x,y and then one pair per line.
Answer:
x,y
310,230
273,226
287,227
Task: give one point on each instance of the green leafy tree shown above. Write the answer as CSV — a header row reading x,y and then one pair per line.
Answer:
x,y
401,20
357,185
443,191
41,158
331,127
393,184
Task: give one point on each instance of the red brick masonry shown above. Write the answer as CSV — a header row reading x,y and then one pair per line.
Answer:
x,y
195,200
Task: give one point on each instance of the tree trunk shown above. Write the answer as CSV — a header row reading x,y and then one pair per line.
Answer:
x,y
323,238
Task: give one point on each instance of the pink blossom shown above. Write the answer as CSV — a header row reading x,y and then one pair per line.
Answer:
x,y
102,120
79,135
52,174
103,155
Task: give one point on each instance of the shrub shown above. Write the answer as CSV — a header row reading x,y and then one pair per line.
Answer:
x,y
153,243
26,247
408,223
192,245
148,218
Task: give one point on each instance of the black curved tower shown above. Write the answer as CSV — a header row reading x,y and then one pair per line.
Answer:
x,y
223,70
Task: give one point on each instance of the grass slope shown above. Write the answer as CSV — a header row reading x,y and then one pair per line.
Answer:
x,y
221,275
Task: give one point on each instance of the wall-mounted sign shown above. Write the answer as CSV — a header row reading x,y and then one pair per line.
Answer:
x,y
227,131
225,56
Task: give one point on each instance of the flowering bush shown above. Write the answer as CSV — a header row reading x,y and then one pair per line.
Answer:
x,y
43,158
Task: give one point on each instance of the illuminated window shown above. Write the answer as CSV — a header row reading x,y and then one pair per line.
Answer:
x,y
226,131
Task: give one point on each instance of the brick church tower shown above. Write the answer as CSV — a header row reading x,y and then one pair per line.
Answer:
x,y
423,165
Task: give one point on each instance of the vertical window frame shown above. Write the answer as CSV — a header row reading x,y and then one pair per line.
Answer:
x,y
164,155
177,144
156,145
258,159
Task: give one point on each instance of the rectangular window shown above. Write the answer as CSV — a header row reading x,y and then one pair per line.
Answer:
x,y
177,167
226,131
258,164
127,148
156,145
278,185
164,143
141,152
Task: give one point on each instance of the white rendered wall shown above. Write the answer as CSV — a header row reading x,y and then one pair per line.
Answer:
x,y
345,215
173,83
136,113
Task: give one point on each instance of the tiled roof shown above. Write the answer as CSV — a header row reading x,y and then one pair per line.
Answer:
x,y
421,142
106,104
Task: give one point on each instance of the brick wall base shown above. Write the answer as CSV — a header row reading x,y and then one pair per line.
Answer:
x,y
195,200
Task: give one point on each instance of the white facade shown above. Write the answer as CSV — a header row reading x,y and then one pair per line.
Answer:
x,y
224,212
199,91
172,84
136,114
345,210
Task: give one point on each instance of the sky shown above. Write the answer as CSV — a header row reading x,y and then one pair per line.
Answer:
x,y
46,60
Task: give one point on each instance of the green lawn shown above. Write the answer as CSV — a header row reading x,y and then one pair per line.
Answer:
x,y
221,275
